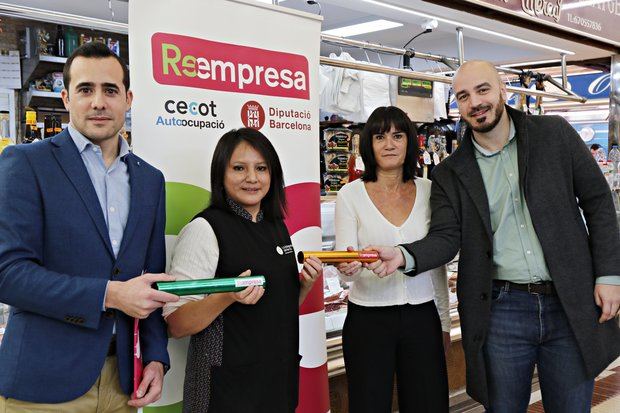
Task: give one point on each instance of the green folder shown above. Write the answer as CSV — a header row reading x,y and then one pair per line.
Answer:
x,y
209,286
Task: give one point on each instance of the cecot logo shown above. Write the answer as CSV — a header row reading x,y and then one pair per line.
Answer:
x,y
253,115
193,108
199,63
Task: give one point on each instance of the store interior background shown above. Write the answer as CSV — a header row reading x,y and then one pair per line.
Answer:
x,y
487,35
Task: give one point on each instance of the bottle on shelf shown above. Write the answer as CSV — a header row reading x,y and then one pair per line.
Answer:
x,y
31,132
5,124
57,124
71,41
614,156
613,161
355,165
60,42
48,126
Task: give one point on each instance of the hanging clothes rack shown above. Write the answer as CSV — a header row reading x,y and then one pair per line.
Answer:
x,y
449,61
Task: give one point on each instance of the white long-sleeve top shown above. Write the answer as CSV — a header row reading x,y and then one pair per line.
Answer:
x,y
359,223
195,256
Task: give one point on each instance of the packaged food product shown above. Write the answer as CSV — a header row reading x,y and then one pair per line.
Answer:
x,y
333,181
337,139
57,82
114,46
84,38
335,161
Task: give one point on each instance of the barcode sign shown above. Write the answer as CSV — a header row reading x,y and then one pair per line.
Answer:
x,y
247,283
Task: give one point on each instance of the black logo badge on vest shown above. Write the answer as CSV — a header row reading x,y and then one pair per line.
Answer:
x,y
285,249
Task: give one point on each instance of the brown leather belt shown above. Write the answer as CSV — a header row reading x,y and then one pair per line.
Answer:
x,y
545,288
112,348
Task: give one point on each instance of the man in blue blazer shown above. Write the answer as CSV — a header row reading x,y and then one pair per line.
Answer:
x,y
81,241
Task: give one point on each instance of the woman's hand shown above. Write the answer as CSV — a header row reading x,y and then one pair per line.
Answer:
x,y
251,294
350,268
313,268
447,341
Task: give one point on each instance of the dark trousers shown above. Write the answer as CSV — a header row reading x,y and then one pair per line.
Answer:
x,y
527,330
405,340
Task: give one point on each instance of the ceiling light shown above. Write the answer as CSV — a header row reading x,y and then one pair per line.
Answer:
x,y
23,12
467,26
368,27
429,24
532,63
583,4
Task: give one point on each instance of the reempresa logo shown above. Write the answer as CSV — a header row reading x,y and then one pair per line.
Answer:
x,y
200,63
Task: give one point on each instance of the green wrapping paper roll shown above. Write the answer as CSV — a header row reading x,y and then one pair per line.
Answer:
x,y
209,286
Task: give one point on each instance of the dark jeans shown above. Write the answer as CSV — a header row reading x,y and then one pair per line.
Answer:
x,y
528,330
405,340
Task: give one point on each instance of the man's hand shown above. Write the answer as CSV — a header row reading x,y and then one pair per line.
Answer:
x,y
149,390
390,258
608,298
136,298
250,295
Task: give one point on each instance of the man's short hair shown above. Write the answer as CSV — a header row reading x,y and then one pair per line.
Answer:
x,y
94,50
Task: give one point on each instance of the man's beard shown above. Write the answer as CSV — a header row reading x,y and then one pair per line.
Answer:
x,y
487,127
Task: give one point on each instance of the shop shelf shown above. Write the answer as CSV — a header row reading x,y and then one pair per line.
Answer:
x,y
39,66
39,98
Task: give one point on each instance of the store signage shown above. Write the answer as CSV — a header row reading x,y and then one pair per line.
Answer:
x,y
201,63
415,87
200,70
598,19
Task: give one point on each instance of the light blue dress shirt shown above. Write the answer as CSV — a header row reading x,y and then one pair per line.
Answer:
x,y
111,185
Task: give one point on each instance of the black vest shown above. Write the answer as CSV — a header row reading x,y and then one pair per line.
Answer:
x,y
260,364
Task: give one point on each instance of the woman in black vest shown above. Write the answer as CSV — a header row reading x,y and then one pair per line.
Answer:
x,y
243,354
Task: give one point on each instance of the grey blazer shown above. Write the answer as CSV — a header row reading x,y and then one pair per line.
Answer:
x,y
559,176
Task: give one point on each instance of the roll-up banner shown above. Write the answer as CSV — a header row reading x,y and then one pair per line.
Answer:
x,y
201,68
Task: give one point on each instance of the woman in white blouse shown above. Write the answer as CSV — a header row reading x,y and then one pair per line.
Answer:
x,y
393,325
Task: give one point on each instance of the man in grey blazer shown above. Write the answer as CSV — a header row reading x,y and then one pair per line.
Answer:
x,y
539,270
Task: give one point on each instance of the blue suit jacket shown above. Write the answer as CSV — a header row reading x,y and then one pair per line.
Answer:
x,y
55,261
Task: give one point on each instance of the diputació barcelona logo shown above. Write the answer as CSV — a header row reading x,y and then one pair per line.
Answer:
x,y
253,115
205,64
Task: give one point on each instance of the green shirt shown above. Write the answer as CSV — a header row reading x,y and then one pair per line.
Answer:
x,y
517,253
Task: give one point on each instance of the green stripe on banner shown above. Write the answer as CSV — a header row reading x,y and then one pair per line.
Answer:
x,y
171,408
183,202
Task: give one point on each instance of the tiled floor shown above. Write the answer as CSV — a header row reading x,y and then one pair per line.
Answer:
x,y
606,398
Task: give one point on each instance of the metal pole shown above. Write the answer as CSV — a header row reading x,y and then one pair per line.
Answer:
x,y
564,74
614,101
383,49
559,86
451,62
461,47
590,104
409,74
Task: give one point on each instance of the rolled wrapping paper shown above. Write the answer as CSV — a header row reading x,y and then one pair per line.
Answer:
x,y
210,286
339,256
